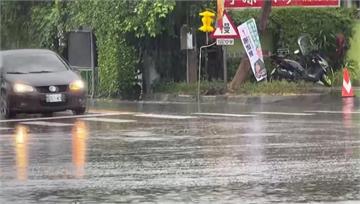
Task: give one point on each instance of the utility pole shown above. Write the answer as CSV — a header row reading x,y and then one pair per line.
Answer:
x,y
224,64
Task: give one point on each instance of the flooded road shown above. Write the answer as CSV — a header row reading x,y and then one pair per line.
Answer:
x,y
285,152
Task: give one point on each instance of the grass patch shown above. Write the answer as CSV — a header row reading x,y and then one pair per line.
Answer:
x,y
218,88
354,71
206,88
275,88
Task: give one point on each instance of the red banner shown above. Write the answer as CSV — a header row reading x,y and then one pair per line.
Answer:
x,y
239,4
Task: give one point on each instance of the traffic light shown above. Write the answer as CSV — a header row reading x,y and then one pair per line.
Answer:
x,y
207,19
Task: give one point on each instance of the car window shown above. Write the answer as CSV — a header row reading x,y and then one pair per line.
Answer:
x,y
33,63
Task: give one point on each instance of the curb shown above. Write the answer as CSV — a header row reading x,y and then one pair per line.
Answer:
x,y
238,99
313,95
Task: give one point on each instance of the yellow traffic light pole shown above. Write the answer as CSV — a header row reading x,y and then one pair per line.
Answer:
x,y
207,20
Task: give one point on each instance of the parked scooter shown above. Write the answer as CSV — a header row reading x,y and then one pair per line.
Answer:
x,y
311,65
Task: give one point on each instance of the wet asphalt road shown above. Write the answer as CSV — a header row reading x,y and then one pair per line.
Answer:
x,y
304,150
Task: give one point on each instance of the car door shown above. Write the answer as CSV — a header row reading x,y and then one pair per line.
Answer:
x,y
2,80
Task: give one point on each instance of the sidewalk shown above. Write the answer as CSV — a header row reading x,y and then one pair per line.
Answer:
x,y
313,94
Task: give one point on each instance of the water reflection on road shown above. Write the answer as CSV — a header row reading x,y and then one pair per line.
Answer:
x,y
23,143
79,137
348,108
21,140
260,158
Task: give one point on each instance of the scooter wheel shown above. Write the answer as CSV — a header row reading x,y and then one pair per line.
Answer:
x,y
325,79
275,77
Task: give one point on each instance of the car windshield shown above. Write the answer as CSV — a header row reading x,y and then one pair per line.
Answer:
x,y
32,63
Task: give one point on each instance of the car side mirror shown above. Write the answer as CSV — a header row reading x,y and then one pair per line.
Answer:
x,y
296,52
75,69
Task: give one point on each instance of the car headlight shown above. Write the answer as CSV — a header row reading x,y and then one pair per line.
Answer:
x,y
77,85
22,88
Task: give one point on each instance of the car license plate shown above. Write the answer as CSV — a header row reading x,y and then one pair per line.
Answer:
x,y
53,98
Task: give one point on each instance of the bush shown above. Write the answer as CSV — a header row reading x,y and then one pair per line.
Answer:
x,y
354,71
117,68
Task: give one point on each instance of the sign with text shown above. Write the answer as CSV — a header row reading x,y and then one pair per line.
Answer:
x,y
251,42
241,4
225,41
81,49
228,29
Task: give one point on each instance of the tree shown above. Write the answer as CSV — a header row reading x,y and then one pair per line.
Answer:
x,y
119,25
48,24
244,67
15,24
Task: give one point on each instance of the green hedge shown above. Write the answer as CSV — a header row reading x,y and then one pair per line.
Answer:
x,y
117,67
354,51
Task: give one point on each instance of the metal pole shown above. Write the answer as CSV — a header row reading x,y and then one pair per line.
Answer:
x,y
207,38
199,74
199,77
187,66
206,54
92,66
225,65
187,50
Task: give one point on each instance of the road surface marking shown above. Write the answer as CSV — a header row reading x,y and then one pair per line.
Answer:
x,y
59,117
109,120
223,115
284,113
44,123
100,111
160,116
335,112
139,134
5,128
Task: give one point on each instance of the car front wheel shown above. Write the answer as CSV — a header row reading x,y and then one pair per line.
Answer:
x,y
4,107
79,111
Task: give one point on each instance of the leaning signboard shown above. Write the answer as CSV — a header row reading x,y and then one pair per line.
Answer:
x,y
241,4
251,42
